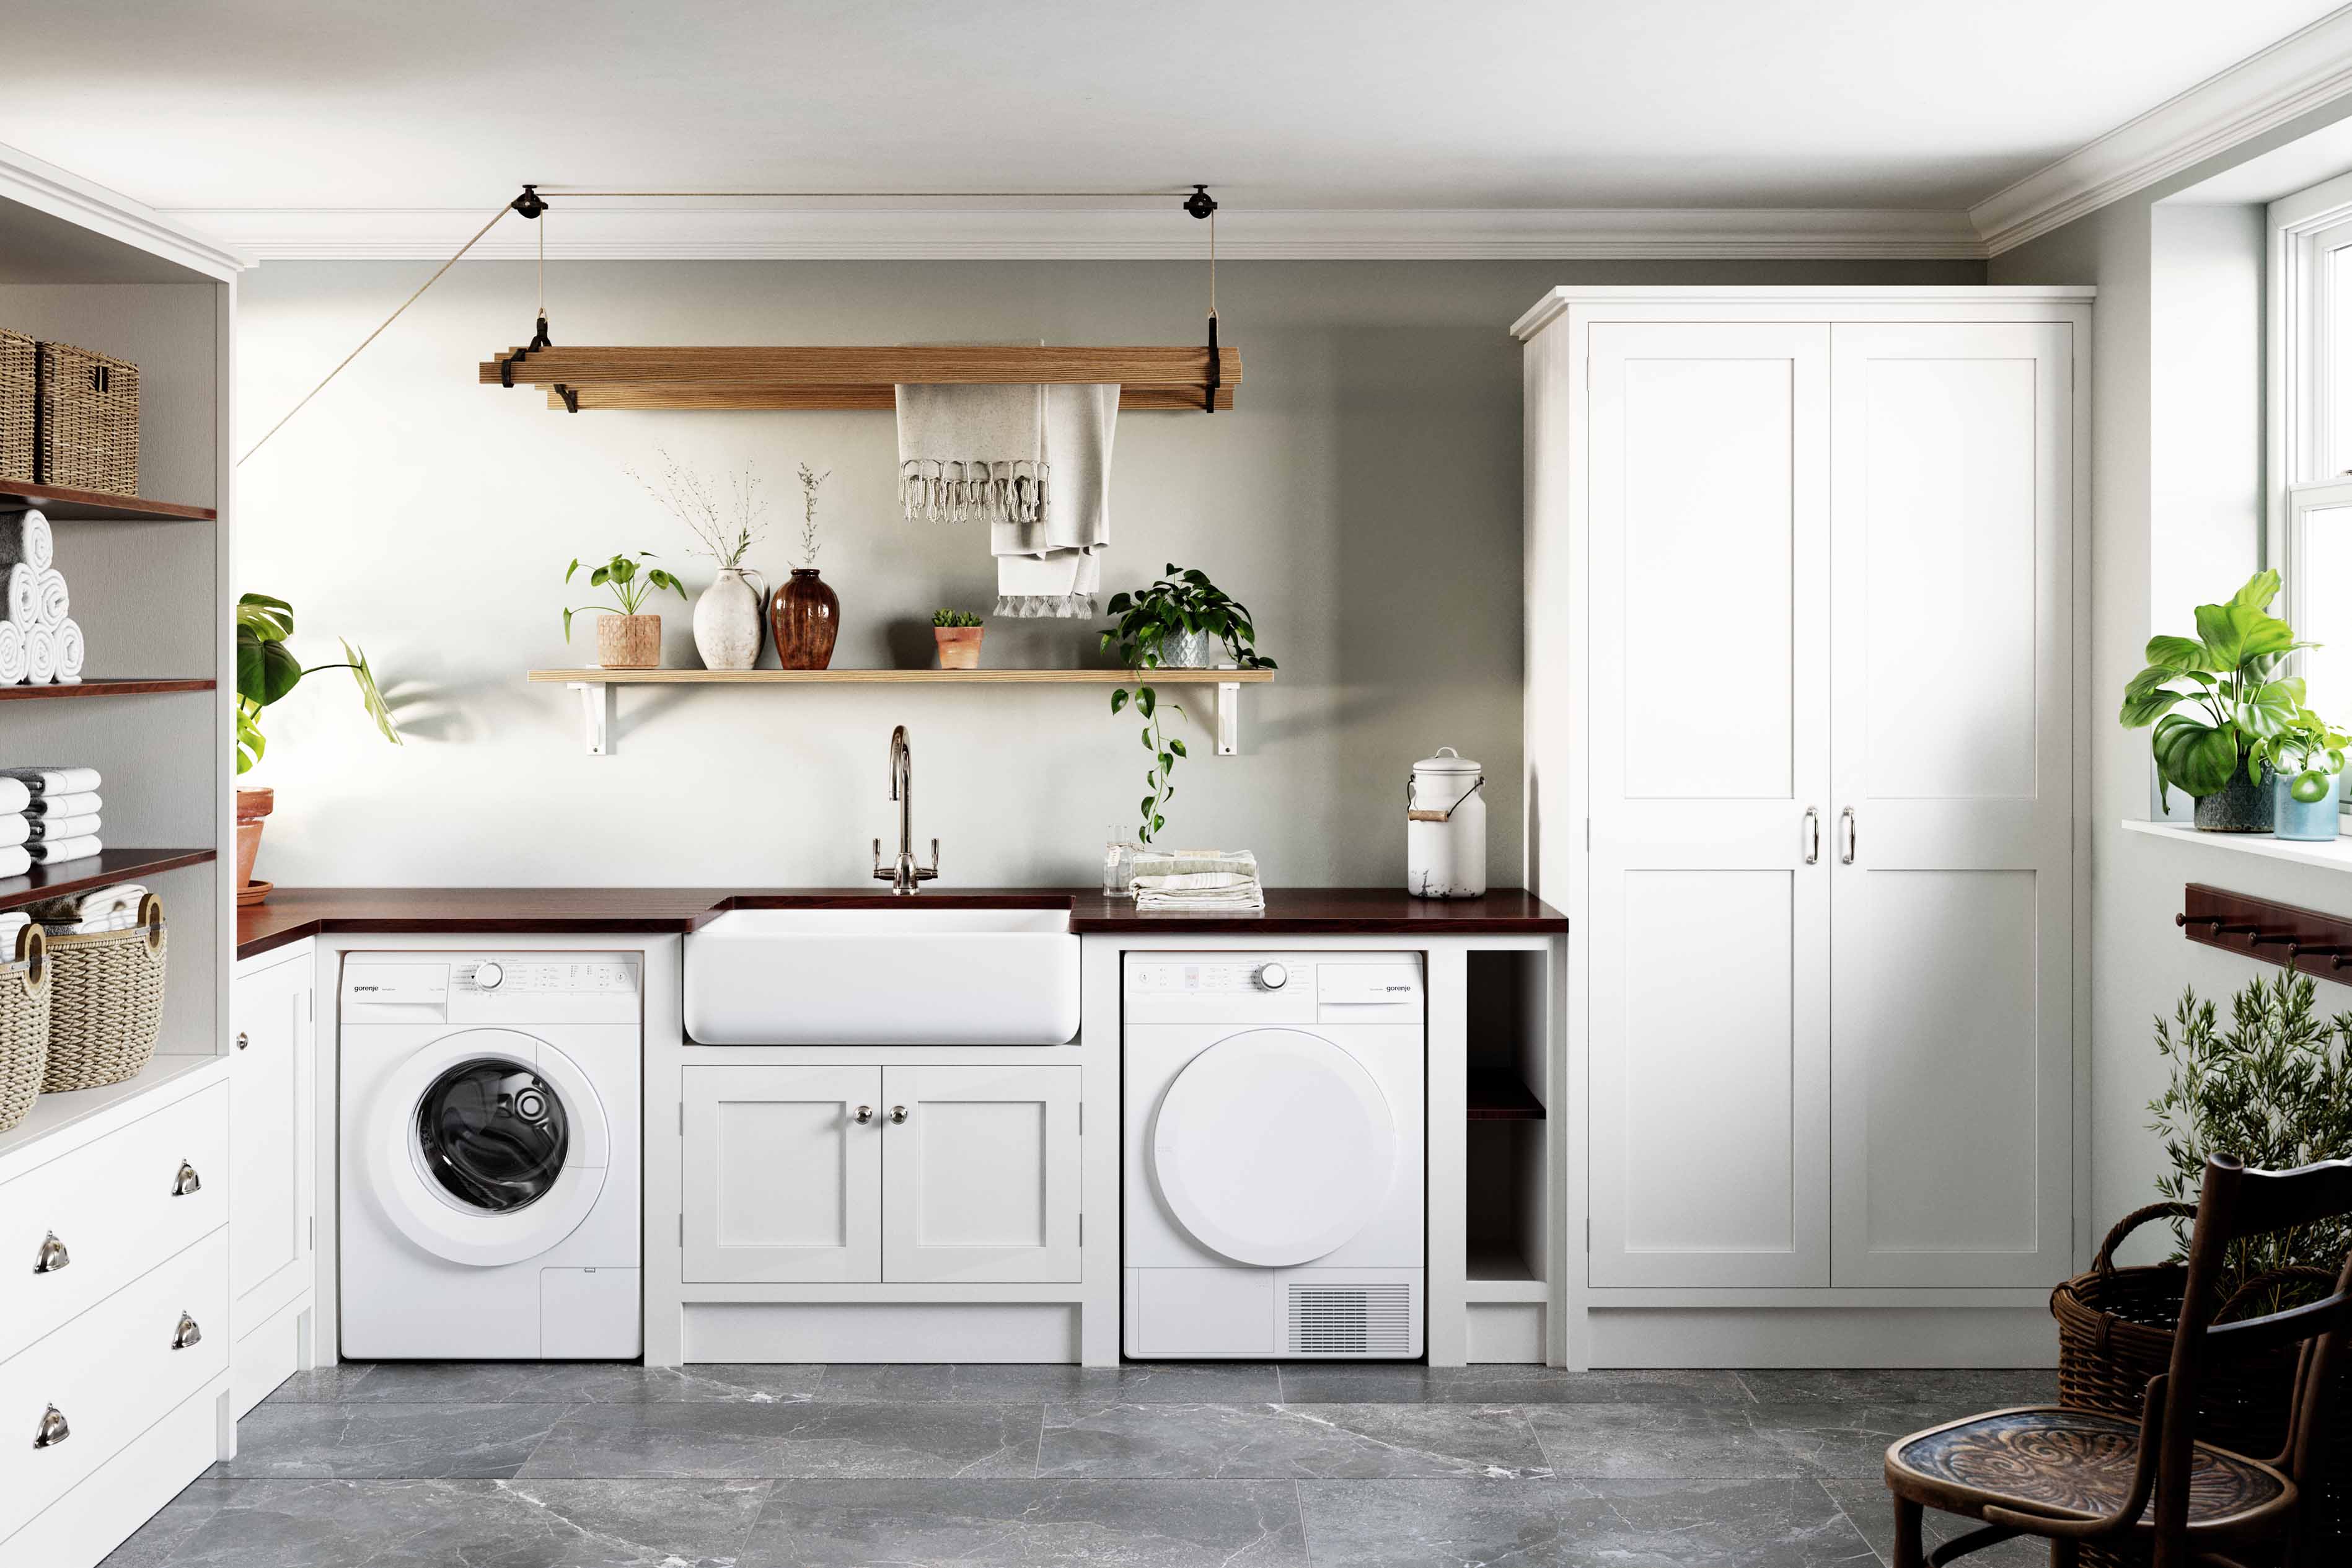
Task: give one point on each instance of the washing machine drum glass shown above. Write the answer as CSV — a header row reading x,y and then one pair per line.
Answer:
x,y
493,1134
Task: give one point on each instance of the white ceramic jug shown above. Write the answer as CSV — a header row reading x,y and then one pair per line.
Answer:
x,y
1445,827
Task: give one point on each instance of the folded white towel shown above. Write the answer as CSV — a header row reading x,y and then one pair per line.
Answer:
x,y
14,828
15,861
120,919
25,539
12,923
1202,879
54,778
41,654
65,804
50,851
46,827
96,903
24,587
14,795
12,654
71,650
53,600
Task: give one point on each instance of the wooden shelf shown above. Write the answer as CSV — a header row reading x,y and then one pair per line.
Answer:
x,y
948,677
130,688
97,870
60,503
1498,1097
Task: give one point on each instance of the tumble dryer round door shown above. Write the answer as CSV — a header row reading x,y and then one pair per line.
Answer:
x,y
1273,1147
487,1147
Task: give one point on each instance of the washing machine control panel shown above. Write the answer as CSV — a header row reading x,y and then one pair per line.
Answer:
x,y
520,974
1329,988
514,988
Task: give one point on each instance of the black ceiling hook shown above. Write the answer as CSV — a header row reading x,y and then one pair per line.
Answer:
x,y
1200,204
531,204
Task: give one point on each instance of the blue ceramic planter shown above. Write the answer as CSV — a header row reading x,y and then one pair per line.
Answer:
x,y
2314,821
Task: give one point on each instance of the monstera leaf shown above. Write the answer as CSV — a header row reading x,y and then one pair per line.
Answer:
x,y
2198,759
2217,699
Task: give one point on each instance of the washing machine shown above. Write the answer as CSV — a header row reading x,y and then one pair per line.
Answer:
x,y
1275,1146
490,1112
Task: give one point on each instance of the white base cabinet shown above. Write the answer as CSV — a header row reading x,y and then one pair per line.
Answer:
x,y
273,1201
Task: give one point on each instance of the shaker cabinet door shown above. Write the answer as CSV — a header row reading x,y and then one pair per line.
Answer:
x,y
783,1183
273,1117
982,1178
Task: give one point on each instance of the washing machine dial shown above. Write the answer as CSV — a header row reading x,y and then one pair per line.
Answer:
x,y
488,975
1272,977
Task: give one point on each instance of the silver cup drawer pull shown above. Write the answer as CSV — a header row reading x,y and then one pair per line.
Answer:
x,y
186,1181
52,1255
187,1334
52,1430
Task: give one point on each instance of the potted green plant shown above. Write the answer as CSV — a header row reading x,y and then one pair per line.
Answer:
x,y
958,632
1175,623
2229,675
2307,758
266,671
625,639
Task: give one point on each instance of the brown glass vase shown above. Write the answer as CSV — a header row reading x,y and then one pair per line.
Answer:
x,y
804,616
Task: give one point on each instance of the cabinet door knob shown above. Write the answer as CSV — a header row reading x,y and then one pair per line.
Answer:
x,y
52,1257
862,1115
186,1181
52,1430
187,1334
241,1041
897,1114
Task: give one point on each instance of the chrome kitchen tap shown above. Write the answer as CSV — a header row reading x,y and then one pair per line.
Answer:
x,y
904,876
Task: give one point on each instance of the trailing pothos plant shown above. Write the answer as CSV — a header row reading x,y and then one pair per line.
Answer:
x,y
2240,705
1183,601
267,671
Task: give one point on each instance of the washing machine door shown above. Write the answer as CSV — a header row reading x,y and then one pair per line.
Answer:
x,y
1273,1147
487,1147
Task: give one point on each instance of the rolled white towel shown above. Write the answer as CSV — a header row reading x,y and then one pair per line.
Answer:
x,y
15,861
115,898
40,828
24,537
14,795
15,828
54,600
56,849
71,650
40,655
66,805
54,778
23,583
11,924
12,654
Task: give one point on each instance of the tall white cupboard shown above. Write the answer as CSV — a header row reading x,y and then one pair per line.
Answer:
x,y
1804,616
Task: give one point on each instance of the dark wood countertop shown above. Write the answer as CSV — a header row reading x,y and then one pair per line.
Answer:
x,y
293,913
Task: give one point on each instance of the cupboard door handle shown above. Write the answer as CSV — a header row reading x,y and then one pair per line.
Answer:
x,y
187,1334
1812,835
1853,836
52,1430
862,1115
52,1257
241,1041
186,1181
897,1115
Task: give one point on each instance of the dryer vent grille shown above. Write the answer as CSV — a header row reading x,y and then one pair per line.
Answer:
x,y
1350,1320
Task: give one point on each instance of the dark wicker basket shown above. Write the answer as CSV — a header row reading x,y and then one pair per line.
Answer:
x,y
2115,1332
19,379
89,426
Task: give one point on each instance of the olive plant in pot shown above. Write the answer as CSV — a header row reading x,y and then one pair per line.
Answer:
x,y
1177,623
625,639
267,672
2229,675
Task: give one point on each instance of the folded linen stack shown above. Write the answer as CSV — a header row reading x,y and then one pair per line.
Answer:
x,y
47,815
115,908
40,642
1202,882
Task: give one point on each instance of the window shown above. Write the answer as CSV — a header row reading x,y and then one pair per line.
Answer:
x,y
2310,430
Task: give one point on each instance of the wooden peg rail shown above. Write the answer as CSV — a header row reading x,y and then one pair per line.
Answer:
x,y
2303,940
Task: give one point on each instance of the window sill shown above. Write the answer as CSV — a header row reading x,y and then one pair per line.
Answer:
x,y
2334,853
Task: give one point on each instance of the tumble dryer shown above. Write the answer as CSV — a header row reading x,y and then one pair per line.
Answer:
x,y
1274,1152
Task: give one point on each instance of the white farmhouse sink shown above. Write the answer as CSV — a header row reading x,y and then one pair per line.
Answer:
x,y
898,973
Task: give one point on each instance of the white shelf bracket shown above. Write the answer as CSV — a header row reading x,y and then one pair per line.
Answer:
x,y
1229,718
596,712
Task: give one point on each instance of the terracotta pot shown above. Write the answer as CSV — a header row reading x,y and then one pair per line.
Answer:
x,y
628,642
805,617
959,646
252,806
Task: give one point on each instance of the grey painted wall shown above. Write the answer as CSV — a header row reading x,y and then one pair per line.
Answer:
x,y
1363,500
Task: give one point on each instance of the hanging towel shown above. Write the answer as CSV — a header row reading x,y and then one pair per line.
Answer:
x,y
40,828
51,852
972,453
62,806
54,778
15,828
1051,567
40,655
71,650
23,583
50,598
25,539
12,654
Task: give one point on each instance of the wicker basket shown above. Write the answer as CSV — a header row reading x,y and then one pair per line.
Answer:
x,y
106,1001
23,1026
2115,1332
89,426
19,378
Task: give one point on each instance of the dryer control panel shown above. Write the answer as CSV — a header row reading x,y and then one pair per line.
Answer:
x,y
1274,987
492,987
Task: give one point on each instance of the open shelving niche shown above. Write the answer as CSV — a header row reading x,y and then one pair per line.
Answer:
x,y
1508,1151
595,687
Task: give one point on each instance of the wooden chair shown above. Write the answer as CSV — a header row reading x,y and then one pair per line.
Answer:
x,y
2074,1478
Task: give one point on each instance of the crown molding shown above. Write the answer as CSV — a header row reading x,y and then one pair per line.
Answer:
x,y
43,186
584,231
2303,71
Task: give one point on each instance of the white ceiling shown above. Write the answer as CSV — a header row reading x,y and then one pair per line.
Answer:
x,y
1294,104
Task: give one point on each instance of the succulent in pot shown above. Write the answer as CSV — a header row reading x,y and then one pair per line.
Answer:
x,y
1174,624
625,639
958,633
2237,702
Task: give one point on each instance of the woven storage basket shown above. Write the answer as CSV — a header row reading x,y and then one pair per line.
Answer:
x,y
106,1001
2115,1332
19,378
89,426
23,1026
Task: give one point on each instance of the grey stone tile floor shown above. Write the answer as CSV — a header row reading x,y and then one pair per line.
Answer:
x,y
480,1465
